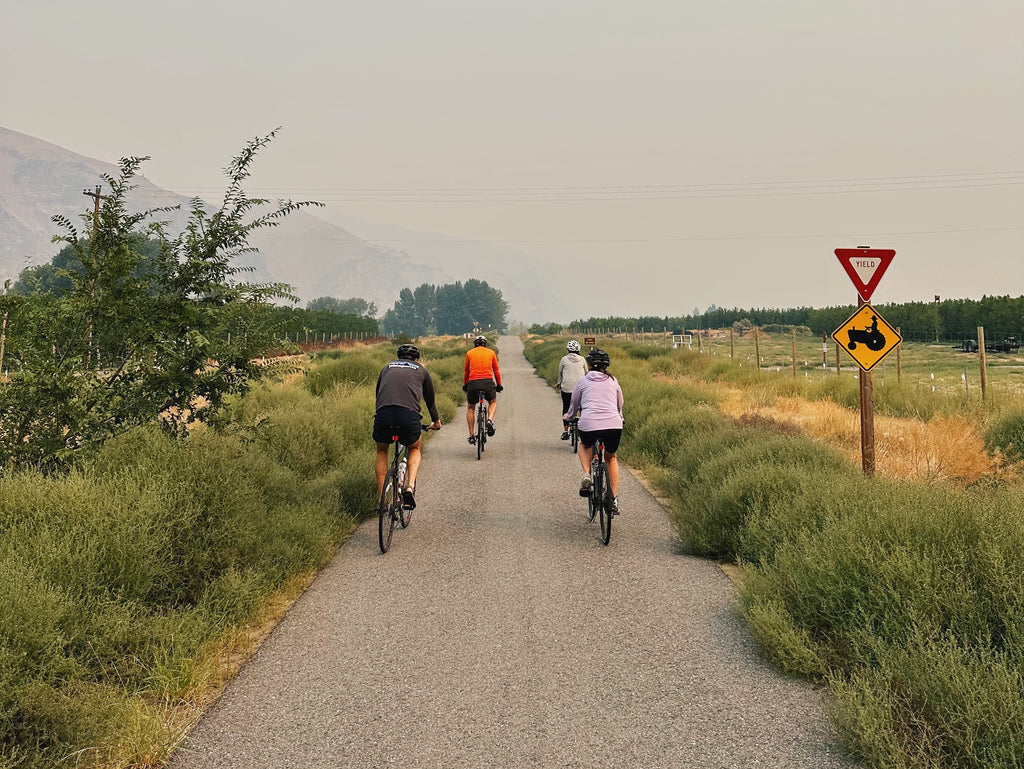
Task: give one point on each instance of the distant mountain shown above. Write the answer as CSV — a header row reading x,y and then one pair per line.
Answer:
x,y
515,272
39,180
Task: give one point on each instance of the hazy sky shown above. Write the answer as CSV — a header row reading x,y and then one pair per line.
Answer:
x,y
655,155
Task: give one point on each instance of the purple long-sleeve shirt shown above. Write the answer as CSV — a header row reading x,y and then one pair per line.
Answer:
x,y
600,397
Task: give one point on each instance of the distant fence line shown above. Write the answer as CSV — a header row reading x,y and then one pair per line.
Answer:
x,y
325,337
908,336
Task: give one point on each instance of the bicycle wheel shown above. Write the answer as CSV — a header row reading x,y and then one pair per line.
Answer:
x,y
481,431
603,503
389,497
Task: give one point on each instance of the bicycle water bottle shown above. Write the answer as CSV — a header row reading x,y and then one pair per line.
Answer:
x,y
402,466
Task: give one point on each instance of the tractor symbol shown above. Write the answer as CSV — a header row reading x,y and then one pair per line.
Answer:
x,y
869,336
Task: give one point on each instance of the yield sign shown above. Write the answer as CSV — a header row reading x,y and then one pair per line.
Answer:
x,y
867,337
865,266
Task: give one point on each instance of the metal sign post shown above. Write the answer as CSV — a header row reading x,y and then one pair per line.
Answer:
x,y
868,338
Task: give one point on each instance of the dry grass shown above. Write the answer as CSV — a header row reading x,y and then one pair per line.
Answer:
x,y
945,448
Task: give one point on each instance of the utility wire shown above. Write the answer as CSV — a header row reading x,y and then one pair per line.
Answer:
x,y
609,193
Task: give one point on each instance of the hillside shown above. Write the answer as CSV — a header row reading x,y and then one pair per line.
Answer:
x,y
39,180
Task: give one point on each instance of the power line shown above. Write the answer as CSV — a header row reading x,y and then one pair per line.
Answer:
x,y
681,239
610,193
648,192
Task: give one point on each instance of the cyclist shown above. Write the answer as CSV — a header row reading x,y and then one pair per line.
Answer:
x,y
400,386
481,375
599,396
571,369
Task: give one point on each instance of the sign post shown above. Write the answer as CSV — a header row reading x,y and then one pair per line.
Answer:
x,y
868,337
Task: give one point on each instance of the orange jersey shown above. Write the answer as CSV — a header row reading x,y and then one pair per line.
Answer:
x,y
481,363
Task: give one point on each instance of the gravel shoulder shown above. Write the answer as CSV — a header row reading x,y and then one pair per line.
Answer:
x,y
499,632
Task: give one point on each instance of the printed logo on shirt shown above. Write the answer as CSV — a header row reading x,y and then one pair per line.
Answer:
x,y
402,364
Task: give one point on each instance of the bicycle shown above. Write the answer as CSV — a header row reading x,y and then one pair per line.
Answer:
x,y
390,507
481,425
599,502
574,434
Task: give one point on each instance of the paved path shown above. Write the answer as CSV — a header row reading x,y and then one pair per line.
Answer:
x,y
499,632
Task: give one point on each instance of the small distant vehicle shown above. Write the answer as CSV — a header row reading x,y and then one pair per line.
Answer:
x,y
1008,345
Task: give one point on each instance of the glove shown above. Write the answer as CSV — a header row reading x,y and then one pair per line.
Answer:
x,y
465,388
499,388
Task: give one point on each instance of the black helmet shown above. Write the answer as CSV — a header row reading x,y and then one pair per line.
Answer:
x,y
598,359
409,352
480,341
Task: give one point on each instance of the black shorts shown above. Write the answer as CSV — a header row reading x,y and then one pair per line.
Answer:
x,y
611,439
476,386
390,421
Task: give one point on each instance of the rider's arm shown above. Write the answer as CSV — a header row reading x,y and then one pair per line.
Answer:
x,y
465,372
429,398
497,373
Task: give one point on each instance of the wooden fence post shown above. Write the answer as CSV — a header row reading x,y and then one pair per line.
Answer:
x,y
981,360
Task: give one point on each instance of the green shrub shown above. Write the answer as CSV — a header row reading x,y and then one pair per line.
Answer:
x,y
360,368
1007,436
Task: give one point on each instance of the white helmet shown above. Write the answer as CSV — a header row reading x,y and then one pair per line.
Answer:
x,y
573,346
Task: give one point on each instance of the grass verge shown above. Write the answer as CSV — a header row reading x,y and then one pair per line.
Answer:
x,y
136,583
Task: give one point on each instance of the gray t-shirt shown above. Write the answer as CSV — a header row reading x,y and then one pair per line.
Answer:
x,y
403,383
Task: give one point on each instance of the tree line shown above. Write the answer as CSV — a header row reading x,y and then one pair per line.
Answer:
x,y
453,308
948,319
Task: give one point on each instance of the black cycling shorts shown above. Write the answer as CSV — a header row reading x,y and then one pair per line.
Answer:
x,y
611,439
390,421
476,386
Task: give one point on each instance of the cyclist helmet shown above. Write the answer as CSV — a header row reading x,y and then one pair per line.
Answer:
x,y
573,346
480,341
598,359
409,352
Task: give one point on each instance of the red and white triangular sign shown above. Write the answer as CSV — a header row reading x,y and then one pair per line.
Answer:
x,y
865,266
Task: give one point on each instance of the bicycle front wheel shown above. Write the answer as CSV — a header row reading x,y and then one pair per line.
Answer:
x,y
574,437
390,496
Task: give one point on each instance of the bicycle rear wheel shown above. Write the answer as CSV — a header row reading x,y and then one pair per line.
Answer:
x,y
481,431
390,496
602,500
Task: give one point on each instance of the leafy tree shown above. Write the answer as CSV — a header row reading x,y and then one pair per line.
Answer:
x,y
143,332
449,309
354,306
452,314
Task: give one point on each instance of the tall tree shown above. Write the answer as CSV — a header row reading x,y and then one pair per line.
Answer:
x,y
142,333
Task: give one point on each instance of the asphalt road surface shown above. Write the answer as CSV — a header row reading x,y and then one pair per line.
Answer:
x,y
499,632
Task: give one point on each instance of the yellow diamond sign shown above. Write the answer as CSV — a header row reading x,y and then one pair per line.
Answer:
x,y
867,337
